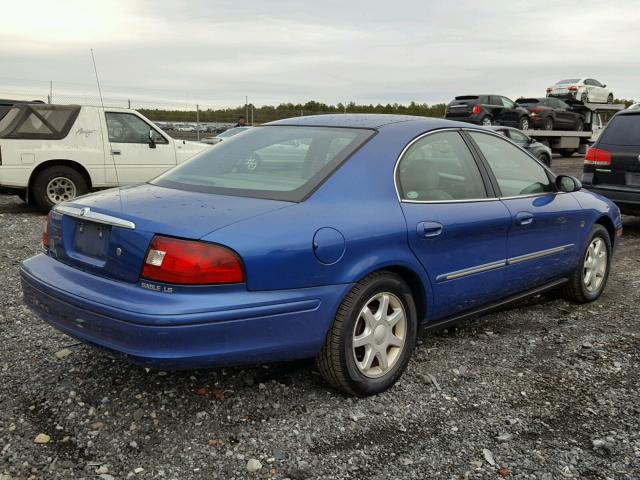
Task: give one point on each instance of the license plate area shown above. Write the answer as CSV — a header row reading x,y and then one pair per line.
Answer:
x,y
92,239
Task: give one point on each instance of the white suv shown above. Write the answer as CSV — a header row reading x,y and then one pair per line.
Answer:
x,y
53,153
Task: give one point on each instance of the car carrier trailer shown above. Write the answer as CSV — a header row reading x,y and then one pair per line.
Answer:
x,y
566,143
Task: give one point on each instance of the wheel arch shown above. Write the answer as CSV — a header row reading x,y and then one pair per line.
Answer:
x,y
607,223
51,163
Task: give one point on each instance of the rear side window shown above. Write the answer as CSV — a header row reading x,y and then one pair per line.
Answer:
x,y
439,167
515,171
622,130
41,122
275,162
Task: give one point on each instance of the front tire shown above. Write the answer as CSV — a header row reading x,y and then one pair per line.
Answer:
x,y
589,279
372,336
57,184
523,124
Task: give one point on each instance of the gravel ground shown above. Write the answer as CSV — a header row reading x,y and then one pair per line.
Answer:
x,y
544,390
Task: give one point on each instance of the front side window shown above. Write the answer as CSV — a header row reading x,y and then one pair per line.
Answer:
x,y
515,171
275,162
507,103
439,167
129,128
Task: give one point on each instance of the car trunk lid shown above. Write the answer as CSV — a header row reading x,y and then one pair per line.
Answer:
x,y
462,106
108,233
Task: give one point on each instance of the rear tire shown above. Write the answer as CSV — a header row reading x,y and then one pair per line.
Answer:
x,y
523,124
590,277
548,123
486,121
610,98
57,184
580,125
584,98
385,347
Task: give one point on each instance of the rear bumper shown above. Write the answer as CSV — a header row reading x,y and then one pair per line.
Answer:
x,y
184,330
628,200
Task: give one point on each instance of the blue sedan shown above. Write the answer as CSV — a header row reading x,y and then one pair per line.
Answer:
x,y
371,227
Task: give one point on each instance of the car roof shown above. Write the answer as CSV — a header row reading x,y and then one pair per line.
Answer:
x,y
366,120
629,111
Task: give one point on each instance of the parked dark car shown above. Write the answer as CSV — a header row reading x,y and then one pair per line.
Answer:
x,y
612,165
488,110
535,148
551,114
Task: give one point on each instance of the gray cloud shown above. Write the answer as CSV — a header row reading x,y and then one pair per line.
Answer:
x,y
216,52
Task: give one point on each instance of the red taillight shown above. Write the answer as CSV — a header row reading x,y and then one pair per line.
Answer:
x,y
45,232
573,89
549,89
476,110
597,156
188,262
536,110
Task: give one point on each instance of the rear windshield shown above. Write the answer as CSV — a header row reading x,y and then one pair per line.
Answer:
x,y
622,130
467,97
39,122
527,100
274,162
568,80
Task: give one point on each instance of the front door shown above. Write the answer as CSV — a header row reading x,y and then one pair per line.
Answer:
x,y
137,156
456,227
543,235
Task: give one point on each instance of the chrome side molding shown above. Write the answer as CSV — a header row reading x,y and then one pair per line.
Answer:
x,y
85,213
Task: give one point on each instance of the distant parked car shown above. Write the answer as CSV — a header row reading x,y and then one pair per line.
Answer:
x,y
584,90
551,114
186,128
634,106
488,110
535,148
224,135
612,165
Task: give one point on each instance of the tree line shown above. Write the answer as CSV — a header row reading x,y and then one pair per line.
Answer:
x,y
268,113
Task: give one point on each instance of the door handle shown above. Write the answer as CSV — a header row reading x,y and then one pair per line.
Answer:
x,y
524,218
115,152
429,229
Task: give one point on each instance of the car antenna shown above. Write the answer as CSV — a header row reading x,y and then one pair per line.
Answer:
x,y
115,167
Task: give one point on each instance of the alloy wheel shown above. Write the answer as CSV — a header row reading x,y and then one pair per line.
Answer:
x,y
379,335
595,265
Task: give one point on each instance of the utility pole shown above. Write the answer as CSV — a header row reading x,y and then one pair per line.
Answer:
x,y
50,91
129,103
251,114
246,107
197,122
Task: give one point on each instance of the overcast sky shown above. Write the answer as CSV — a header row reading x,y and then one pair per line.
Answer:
x,y
216,52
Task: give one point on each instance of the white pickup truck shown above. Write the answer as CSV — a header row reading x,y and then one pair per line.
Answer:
x,y
53,153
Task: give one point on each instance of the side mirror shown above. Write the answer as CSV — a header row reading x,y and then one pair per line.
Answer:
x,y
568,184
152,142
532,140
604,86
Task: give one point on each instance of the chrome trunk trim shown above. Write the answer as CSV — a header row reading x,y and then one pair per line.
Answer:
x,y
85,213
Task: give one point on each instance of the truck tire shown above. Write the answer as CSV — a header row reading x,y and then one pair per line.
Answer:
x,y
567,152
57,184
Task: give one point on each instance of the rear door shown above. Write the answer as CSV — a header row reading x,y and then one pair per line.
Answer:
x,y
457,228
135,157
510,115
621,139
543,233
